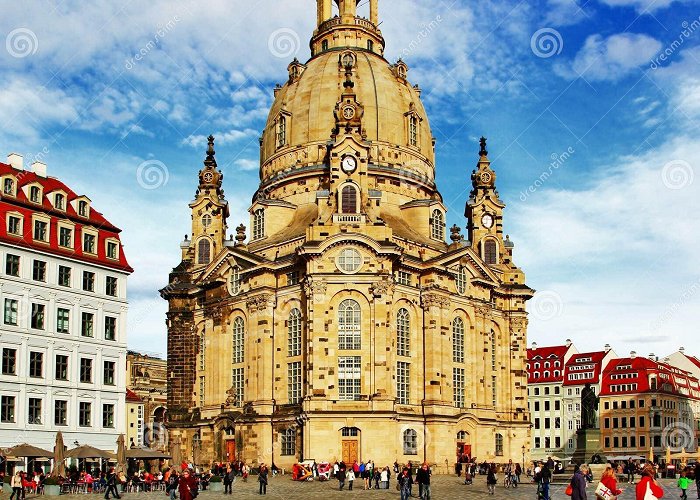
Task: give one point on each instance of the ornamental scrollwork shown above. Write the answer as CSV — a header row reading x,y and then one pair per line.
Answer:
x,y
383,287
259,303
314,287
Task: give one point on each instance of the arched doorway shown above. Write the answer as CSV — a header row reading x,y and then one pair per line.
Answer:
x,y
464,446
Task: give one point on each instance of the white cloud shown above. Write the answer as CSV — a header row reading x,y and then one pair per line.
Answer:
x,y
643,6
564,12
611,58
245,164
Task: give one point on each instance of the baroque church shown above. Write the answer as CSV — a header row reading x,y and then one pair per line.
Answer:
x,y
345,326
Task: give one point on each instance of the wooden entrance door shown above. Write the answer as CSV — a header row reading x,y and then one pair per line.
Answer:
x,y
230,450
350,452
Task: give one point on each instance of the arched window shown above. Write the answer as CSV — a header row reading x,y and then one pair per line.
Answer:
x,y
458,340
34,194
258,224
82,208
281,131
410,442
490,252
546,364
288,438
8,186
463,436
238,340
59,201
349,325
437,225
348,199
461,280
537,366
294,333
499,445
556,374
546,374
413,130
403,333
203,251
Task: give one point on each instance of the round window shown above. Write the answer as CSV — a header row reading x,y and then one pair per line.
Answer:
x,y
349,261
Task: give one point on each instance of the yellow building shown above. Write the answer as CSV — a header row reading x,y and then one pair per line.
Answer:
x,y
134,419
146,376
346,327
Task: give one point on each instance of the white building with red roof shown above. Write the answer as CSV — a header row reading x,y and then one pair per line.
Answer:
x,y
545,366
64,297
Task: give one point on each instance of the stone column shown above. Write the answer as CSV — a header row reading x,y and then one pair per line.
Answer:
x,y
482,365
432,304
381,360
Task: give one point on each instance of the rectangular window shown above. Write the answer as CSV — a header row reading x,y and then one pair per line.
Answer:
x,y
110,328
537,406
349,380
570,444
547,423
494,393
238,386
557,405
38,316
111,250
7,409
88,281
39,270
111,286
40,230
641,422
294,382
108,373
11,306
12,265
63,276
84,414
293,278
537,423
288,438
557,442
36,364
60,412
14,225
403,377
86,370
61,367
538,442
65,237
88,243
458,387
202,391
546,406
108,416
607,442
87,325
9,361
642,441
403,278
34,414
62,320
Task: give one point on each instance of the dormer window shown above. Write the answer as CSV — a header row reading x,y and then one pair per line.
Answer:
x,y
112,250
281,131
348,199
437,225
89,243
41,230
8,186
34,194
59,202
83,208
258,224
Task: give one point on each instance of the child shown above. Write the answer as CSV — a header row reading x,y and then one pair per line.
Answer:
x,y
491,479
350,478
683,483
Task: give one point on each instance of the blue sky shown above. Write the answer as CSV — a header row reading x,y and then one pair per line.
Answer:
x,y
592,111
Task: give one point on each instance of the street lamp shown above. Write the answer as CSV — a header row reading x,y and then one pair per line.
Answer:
x,y
523,450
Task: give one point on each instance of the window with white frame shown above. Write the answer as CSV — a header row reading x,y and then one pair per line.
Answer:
x,y
294,333
202,352
59,201
461,280
499,445
112,250
41,230
238,386
65,237
403,377
235,281
14,225
349,260
288,438
62,320
108,416
403,278
34,194
294,382
349,377
437,225
281,131
89,243
410,442
11,310
458,387
403,333
83,208
258,224
349,324
238,340
458,340
413,130
8,186
7,409
348,199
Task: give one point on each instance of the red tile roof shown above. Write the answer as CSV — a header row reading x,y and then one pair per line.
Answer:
x,y
20,203
632,376
537,359
132,397
594,360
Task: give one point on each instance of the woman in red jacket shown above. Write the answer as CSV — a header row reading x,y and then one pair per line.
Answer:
x,y
648,481
610,481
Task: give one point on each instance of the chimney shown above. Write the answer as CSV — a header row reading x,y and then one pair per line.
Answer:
x,y
607,347
568,342
633,354
653,357
534,346
682,349
39,168
15,161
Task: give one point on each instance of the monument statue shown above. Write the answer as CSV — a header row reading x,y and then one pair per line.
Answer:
x,y
589,408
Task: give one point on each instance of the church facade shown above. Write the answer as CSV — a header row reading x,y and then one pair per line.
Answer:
x,y
345,326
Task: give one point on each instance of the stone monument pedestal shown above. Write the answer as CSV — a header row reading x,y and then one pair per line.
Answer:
x,y
587,445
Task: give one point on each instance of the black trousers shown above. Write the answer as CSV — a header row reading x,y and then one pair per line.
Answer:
x,y
112,488
263,488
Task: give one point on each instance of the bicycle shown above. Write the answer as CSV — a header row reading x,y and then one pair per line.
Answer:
x,y
508,481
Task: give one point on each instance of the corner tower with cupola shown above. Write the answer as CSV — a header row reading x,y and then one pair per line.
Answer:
x,y
345,326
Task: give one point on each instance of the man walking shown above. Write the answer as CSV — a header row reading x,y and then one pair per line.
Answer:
x,y
423,478
546,476
112,485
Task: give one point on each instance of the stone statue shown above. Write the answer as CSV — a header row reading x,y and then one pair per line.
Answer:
x,y
589,408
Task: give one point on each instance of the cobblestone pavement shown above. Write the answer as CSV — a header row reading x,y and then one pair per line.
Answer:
x,y
443,487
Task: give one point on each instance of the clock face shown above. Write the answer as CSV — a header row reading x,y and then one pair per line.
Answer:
x,y
208,176
348,112
487,221
349,164
485,177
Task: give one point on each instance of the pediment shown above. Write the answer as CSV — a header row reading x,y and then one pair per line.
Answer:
x,y
467,257
226,260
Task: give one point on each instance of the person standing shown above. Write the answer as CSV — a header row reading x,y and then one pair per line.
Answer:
x,y
697,477
423,478
610,481
683,483
16,484
578,484
229,477
491,479
545,480
404,480
262,479
647,482
351,478
173,480
187,486
112,485
341,475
